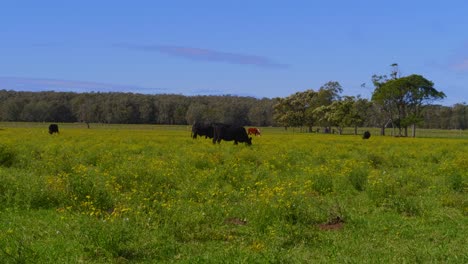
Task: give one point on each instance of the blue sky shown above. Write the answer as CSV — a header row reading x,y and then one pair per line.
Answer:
x,y
252,48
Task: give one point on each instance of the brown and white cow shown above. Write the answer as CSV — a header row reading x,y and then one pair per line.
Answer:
x,y
253,131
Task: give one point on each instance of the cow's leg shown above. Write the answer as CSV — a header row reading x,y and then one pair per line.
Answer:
x,y
235,142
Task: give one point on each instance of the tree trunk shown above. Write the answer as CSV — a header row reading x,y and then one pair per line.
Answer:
x,y
382,130
406,131
413,130
355,130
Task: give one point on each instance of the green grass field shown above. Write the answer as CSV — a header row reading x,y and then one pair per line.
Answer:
x,y
152,194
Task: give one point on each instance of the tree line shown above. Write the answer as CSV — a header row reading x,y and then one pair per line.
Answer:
x,y
397,101
130,108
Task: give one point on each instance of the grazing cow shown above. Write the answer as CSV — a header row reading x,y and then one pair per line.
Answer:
x,y
229,133
202,130
366,135
53,128
253,131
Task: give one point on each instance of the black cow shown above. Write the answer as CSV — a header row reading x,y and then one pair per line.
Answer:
x,y
366,135
202,130
53,128
229,133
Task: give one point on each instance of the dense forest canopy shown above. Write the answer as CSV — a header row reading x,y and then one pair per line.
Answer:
x,y
130,108
323,107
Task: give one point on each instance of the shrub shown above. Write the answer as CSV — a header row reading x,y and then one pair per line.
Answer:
x,y
358,178
455,182
7,156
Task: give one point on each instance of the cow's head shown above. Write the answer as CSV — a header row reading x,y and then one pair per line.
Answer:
x,y
249,141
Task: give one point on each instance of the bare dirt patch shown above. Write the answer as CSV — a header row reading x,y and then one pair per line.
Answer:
x,y
235,221
333,224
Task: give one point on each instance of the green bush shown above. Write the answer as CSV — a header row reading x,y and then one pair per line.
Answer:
x,y
7,156
456,183
358,178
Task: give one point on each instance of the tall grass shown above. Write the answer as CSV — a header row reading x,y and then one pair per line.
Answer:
x,y
152,194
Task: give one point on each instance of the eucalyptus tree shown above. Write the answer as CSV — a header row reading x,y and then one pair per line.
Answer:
x,y
403,98
326,95
261,112
286,112
349,111
459,118
12,109
299,108
361,111
196,113
324,119
329,92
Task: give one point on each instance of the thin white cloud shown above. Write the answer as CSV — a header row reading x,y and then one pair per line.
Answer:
x,y
459,60
461,65
44,84
200,54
